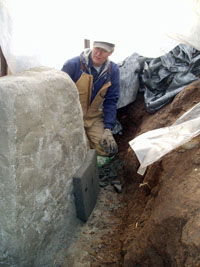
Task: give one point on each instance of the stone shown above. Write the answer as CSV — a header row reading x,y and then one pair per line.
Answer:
x,y
42,145
118,188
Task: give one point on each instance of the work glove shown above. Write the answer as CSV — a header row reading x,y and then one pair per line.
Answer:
x,y
108,142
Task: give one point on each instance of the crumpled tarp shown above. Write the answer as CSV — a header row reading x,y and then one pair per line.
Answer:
x,y
166,76
160,79
130,69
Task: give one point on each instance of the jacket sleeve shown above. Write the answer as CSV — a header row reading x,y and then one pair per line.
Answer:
x,y
111,98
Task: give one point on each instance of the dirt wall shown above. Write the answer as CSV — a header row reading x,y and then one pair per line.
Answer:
x,y
163,211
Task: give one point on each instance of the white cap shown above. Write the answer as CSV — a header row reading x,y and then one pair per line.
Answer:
x,y
109,47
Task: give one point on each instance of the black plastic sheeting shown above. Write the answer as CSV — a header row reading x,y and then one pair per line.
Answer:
x,y
159,79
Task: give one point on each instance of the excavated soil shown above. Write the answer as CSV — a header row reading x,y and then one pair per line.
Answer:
x,y
155,220
163,211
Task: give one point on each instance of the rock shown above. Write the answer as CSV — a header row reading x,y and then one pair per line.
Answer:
x,y
118,188
42,144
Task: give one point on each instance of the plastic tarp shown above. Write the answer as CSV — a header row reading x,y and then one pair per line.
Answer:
x,y
166,76
152,145
160,79
130,70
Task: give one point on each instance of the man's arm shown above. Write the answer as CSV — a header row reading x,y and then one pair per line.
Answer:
x,y
111,98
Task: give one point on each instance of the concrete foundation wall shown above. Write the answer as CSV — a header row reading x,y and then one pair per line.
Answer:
x,y
42,144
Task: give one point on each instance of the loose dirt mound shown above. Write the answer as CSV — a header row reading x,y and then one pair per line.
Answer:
x,y
163,216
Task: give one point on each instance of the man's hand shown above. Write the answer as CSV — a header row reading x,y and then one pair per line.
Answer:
x,y
108,142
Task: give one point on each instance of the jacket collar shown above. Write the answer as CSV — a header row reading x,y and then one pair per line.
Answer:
x,y
87,61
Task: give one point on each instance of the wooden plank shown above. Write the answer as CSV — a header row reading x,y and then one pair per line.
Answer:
x,y
4,66
86,43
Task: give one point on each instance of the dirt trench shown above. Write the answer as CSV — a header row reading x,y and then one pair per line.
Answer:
x,y
155,220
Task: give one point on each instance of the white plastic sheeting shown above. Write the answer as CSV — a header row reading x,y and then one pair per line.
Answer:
x,y
152,145
48,32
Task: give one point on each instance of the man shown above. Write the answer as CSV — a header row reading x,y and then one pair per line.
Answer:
x,y
97,80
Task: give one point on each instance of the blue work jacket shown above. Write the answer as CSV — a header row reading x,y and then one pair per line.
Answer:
x,y
75,67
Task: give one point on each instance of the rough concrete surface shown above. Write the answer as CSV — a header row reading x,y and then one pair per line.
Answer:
x,y
42,144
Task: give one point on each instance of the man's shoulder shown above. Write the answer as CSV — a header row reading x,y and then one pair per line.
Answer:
x,y
114,67
72,67
74,60
71,64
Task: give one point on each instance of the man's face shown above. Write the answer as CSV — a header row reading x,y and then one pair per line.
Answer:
x,y
99,56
